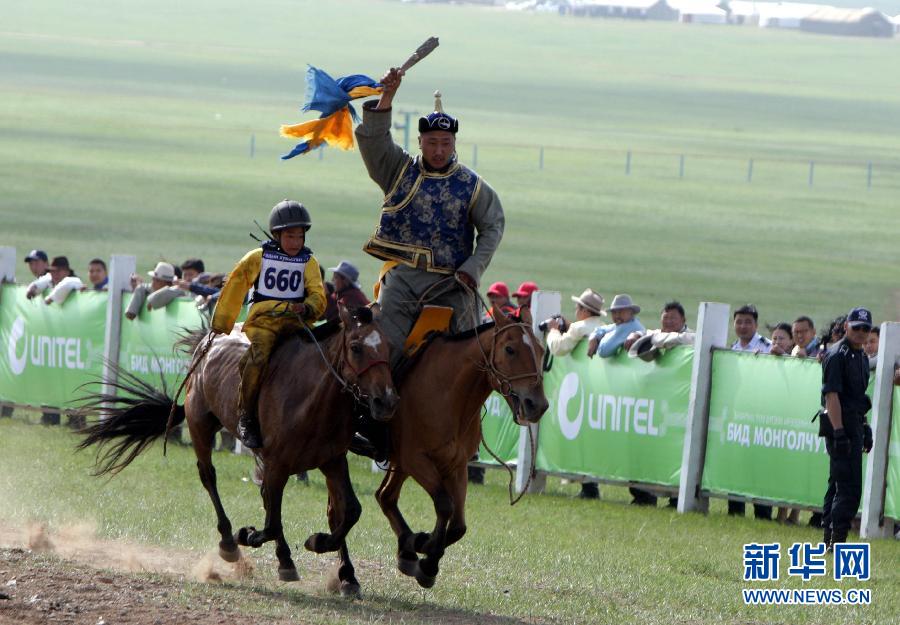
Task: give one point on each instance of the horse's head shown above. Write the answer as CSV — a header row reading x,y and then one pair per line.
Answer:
x,y
515,365
366,362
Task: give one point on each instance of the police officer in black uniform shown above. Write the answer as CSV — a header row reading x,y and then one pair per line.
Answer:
x,y
845,377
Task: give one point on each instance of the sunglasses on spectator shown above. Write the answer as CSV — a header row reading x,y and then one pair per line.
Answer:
x,y
862,328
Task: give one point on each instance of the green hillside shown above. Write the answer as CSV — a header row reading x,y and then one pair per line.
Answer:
x,y
126,127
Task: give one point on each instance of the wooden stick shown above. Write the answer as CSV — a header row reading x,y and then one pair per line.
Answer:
x,y
421,52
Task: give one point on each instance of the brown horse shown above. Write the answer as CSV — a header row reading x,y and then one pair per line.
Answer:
x,y
306,407
437,427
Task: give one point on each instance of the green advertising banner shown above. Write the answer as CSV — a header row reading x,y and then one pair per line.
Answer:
x,y
619,418
147,342
48,351
500,431
761,441
892,492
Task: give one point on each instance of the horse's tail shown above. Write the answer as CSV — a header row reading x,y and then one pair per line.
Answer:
x,y
132,416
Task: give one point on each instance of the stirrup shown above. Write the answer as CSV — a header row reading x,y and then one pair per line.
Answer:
x,y
362,446
249,431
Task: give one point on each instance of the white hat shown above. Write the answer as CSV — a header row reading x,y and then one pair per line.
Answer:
x,y
163,271
621,302
591,300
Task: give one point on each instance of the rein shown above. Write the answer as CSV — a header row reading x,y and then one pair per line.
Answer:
x,y
504,385
194,365
353,389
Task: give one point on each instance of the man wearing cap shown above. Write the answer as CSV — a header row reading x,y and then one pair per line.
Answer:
x,y
498,296
589,315
346,286
162,277
523,296
60,277
64,281
439,219
845,377
606,340
37,262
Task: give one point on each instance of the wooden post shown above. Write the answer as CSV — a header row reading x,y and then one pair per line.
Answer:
x,y
544,304
7,264
120,269
750,171
712,331
872,524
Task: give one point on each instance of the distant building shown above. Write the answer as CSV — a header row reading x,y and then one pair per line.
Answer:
x,y
625,9
849,22
700,12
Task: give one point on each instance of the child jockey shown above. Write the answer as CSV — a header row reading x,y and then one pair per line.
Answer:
x,y
287,293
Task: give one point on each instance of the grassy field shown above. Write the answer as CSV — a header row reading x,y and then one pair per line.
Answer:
x,y
551,559
127,127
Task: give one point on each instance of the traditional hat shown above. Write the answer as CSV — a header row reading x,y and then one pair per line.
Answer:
x,y
438,120
163,271
621,302
348,271
591,300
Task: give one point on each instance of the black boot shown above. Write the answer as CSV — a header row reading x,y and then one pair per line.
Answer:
x,y
248,430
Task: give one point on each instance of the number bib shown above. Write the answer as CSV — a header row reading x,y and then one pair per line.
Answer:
x,y
281,276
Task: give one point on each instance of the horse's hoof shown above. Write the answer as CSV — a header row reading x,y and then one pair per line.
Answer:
x,y
243,535
424,579
319,543
350,590
229,552
408,566
288,575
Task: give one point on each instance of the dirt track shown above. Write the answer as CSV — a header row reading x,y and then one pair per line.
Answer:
x,y
73,578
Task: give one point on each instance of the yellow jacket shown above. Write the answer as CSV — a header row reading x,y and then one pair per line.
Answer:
x,y
244,276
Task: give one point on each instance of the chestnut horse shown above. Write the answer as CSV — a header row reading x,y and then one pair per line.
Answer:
x,y
306,407
437,427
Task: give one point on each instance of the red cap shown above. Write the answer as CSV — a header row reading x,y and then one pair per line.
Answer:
x,y
499,288
526,289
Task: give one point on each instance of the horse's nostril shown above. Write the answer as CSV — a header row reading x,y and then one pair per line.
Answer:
x,y
378,402
529,403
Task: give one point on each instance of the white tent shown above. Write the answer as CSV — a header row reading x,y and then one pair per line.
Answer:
x,y
699,12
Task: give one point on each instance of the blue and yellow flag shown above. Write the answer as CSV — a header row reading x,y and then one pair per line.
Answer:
x,y
331,98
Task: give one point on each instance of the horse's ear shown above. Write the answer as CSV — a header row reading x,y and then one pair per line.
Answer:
x,y
525,316
344,315
500,318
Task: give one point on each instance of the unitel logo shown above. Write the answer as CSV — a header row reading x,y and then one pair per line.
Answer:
x,y
56,352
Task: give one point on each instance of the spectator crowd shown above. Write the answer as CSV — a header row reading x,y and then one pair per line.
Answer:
x,y
608,330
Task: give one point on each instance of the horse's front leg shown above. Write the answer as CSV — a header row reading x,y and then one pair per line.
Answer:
x,y
408,543
343,504
274,480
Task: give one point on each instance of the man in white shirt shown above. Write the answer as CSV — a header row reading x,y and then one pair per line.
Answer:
x,y
589,315
746,321
60,277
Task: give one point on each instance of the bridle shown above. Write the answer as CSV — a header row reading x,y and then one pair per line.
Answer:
x,y
337,368
503,381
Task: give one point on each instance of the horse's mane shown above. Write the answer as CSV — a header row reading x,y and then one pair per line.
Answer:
x,y
467,334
